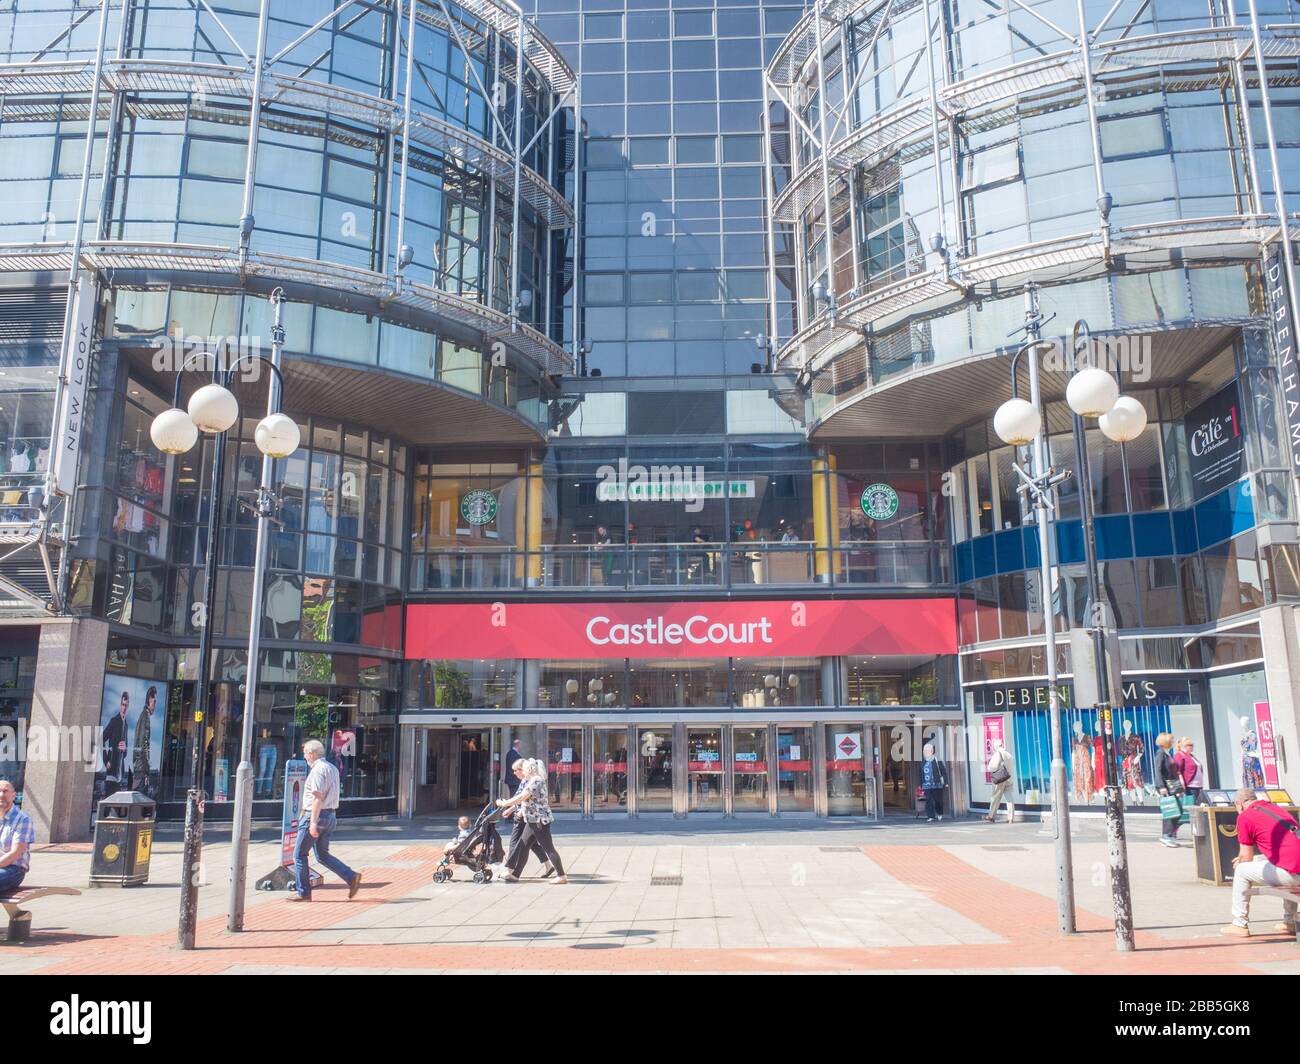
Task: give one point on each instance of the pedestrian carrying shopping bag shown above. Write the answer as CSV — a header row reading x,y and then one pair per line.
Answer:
x,y
1171,808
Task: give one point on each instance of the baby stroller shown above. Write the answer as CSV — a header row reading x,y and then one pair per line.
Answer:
x,y
480,848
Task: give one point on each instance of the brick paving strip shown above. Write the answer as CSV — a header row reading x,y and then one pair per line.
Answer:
x,y
1025,920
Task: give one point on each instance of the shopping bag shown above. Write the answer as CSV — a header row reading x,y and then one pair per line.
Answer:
x,y
1171,808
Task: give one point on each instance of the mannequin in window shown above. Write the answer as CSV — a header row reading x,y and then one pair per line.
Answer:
x,y
1081,764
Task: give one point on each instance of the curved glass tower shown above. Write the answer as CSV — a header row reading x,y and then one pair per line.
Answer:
x,y
399,170
937,157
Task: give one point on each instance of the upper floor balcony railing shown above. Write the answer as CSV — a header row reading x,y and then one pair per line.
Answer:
x,y
699,566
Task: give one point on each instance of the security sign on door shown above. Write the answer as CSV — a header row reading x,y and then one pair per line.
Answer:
x,y
848,746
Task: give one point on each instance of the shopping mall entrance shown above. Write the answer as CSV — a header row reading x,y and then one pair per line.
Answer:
x,y
672,768
454,769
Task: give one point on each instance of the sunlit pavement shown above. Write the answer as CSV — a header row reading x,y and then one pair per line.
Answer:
x,y
704,895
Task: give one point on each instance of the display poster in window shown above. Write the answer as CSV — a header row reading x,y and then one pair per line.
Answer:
x,y
994,735
1215,444
1267,743
131,719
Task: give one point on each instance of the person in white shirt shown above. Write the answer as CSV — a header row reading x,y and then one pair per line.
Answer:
x,y
1002,771
319,818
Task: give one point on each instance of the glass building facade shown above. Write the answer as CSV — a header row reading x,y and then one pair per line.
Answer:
x,y
644,355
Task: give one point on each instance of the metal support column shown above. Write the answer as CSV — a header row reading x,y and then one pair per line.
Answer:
x,y
1279,190
246,221
1094,130
106,184
822,107
394,48
579,362
821,800
495,82
69,342
769,227
633,781
518,134
773,768
936,152
398,267
1243,112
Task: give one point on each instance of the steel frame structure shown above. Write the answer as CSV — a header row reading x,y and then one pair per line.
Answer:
x,y
281,82
926,121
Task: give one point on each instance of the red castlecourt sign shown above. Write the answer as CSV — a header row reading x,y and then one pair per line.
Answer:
x,y
682,629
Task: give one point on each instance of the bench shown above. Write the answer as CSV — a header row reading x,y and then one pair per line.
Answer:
x,y
1263,890
20,921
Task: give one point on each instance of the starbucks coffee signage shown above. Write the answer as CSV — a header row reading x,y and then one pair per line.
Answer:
x,y
879,502
478,507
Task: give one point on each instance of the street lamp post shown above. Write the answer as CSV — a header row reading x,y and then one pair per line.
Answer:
x,y
1091,392
1122,419
278,424
212,410
1020,423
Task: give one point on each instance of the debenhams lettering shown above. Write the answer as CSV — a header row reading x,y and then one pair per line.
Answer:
x,y
654,632
1037,695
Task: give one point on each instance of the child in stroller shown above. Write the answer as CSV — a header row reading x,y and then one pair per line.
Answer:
x,y
476,846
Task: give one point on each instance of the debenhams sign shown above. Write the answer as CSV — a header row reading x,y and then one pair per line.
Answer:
x,y
1284,342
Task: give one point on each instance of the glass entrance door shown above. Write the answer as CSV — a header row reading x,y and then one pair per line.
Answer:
x,y
475,768
564,767
609,770
794,770
654,784
897,778
704,770
749,770
846,770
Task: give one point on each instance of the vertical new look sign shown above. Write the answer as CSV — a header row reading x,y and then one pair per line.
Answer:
x,y
71,423
1282,324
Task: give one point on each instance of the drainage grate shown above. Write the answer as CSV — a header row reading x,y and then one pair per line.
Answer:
x,y
839,849
665,881
1006,849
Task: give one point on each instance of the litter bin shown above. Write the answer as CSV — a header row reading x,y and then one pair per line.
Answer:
x,y
123,840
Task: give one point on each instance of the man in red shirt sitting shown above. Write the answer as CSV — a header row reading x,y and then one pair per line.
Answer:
x,y
1274,832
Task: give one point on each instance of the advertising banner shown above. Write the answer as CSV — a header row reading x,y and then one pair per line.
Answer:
x,y
681,629
1267,743
1216,450
295,776
131,735
1282,327
72,410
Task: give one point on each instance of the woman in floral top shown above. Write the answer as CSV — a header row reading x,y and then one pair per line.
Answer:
x,y
536,811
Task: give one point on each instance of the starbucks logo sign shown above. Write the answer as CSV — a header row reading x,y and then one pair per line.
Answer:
x,y
478,507
879,502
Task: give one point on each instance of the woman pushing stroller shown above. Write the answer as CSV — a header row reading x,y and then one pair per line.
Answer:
x,y
531,802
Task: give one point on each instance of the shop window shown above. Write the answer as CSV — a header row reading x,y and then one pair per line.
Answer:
x,y
485,684
759,683
668,683
899,681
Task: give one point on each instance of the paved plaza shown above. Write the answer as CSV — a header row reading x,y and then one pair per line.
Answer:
x,y
705,895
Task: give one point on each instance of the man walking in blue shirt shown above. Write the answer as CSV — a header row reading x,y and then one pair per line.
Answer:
x,y
319,818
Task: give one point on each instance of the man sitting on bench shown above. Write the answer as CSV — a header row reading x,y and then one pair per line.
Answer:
x,y
1277,864
16,838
